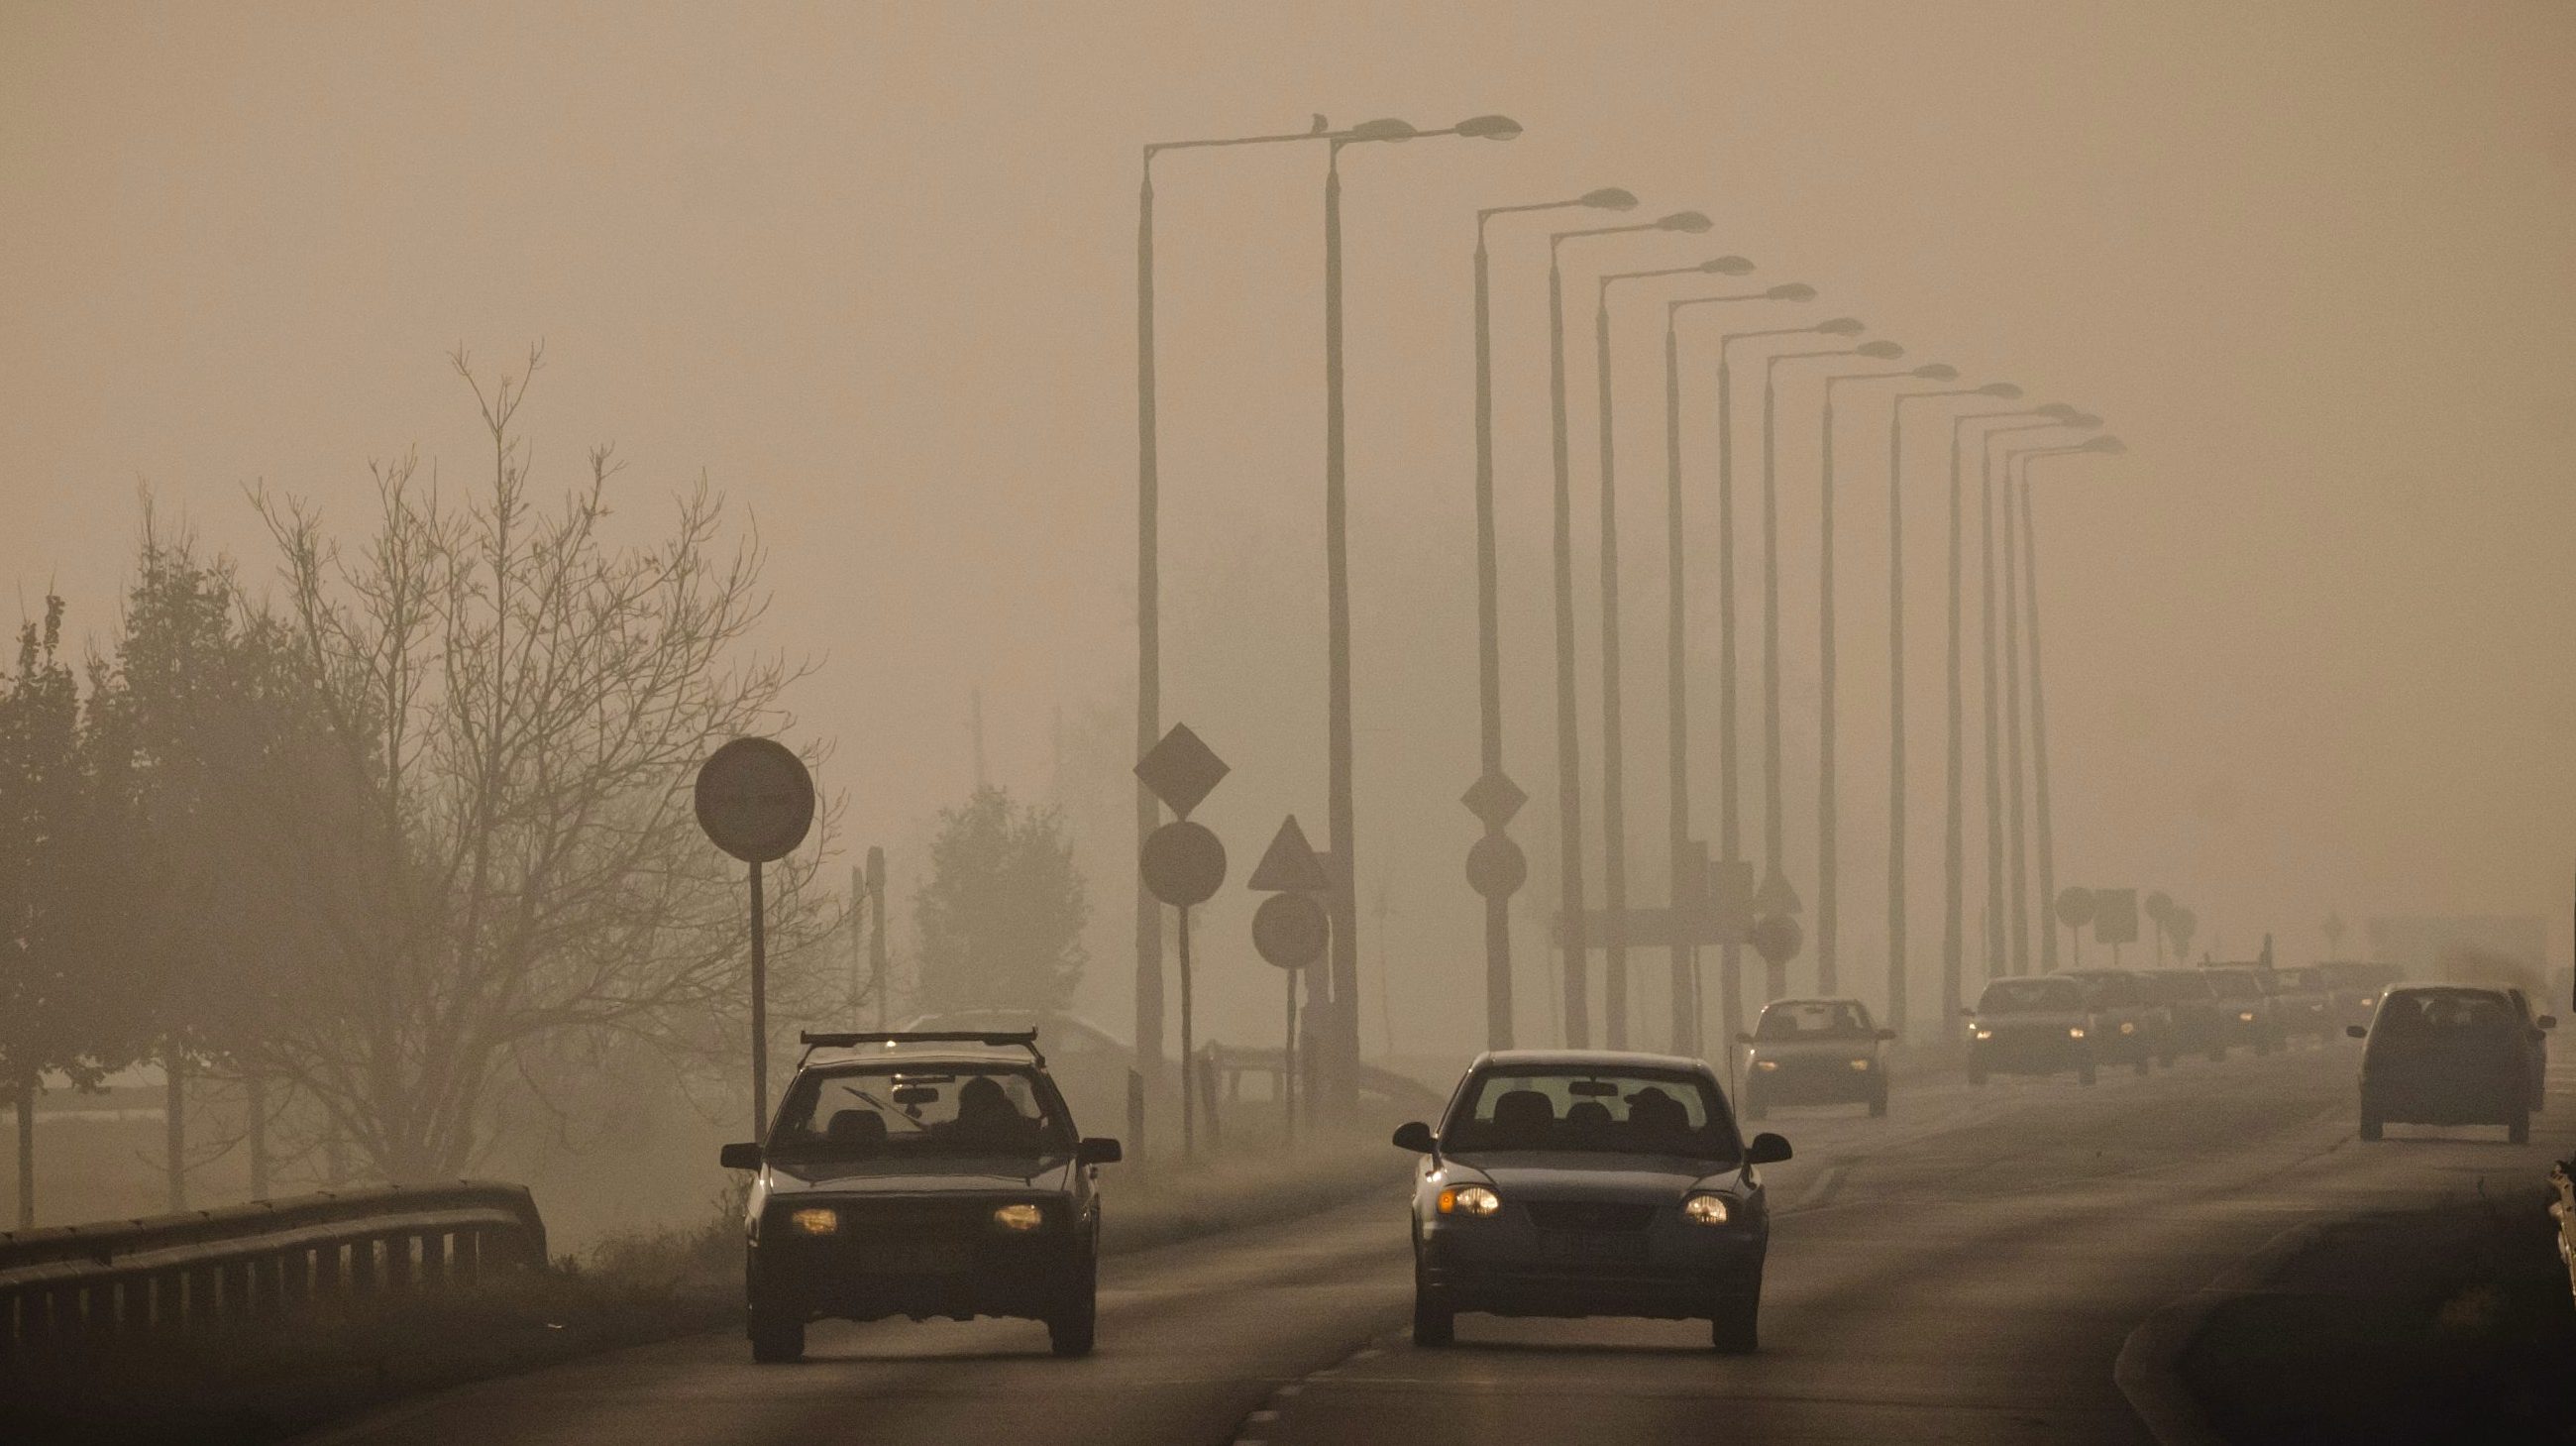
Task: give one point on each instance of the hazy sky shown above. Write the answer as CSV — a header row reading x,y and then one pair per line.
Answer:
x,y
870,270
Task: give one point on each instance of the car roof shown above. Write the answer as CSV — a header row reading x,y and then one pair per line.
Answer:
x,y
1604,1059
1820,999
830,1056
2492,991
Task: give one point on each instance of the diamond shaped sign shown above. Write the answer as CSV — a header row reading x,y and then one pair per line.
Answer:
x,y
1181,770
1494,798
1290,864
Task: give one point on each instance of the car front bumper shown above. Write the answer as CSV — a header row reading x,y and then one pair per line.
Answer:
x,y
1673,1270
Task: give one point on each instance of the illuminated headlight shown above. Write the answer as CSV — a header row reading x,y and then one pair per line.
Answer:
x,y
2075,1031
1473,1200
1021,1217
2245,1016
1985,1034
1860,1064
815,1221
1766,1064
2128,1026
1705,1210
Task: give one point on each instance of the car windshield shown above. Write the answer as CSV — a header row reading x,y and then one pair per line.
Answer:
x,y
2028,996
1811,1019
918,1109
2235,984
2302,980
1609,1111
2178,988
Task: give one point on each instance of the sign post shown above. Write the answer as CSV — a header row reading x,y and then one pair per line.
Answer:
x,y
755,800
2115,919
1290,930
2075,910
1182,864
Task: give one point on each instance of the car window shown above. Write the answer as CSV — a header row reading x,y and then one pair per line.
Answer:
x,y
2029,996
916,1109
1811,1018
1570,1108
2440,1013
2235,984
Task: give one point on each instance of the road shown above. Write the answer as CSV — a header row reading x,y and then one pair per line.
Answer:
x,y
1964,1270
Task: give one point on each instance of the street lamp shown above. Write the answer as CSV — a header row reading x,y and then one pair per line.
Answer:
x,y
1828,792
1687,1008
2020,462
1614,824
1489,674
1342,1036
1569,754
1898,971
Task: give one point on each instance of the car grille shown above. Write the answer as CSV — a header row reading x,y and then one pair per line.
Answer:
x,y
1592,1215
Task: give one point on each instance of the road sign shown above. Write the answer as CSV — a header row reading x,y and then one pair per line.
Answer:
x,y
2115,916
1290,930
1777,938
2159,904
755,799
2074,907
1496,867
1730,898
1775,896
1183,863
1290,864
1181,770
1495,799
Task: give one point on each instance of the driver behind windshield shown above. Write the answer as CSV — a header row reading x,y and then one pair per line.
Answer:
x,y
894,1110
1616,1112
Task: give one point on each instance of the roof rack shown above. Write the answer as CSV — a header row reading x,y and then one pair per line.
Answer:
x,y
999,1039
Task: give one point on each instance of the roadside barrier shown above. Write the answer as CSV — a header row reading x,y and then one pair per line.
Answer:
x,y
174,1272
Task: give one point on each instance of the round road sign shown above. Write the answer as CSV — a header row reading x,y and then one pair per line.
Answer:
x,y
1290,930
1496,867
2074,907
1776,938
2158,905
1183,863
755,799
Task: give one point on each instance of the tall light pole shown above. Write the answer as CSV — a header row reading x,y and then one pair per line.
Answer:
x,y
1489,650
1149,627
1898,959
1614,820
1569,752
1828,787
1687,1004
1342,1037
2107,446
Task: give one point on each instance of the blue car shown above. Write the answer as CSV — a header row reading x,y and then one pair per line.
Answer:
x,y
1578,1183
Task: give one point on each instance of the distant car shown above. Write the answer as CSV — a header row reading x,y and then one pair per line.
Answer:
x,y
2301,1003
2194,1024
2353,989
1578,1183
2245,1009
1812,1052
922,1174
2446,1054
2122,1018
2035,1024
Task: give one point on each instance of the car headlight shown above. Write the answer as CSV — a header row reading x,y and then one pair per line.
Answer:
x,y
2128,1026
2245,1016
1860,1064
1705,1210
1473,1200
1766,1064
1020,1217
1985,1034
2075,1031
815,1221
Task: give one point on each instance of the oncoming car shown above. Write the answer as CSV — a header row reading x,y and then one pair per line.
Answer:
x,y
1576,1183
1814,1051
922,1175
2036,1024
2245,1005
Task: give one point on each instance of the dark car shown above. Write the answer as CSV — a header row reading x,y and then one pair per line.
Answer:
x,y
1814,1052
2446,1054
2353,989
2036,1024
1578,1183
2301,1001
2122,1019
2245,1009
2194,1024
924,1174
2535,1033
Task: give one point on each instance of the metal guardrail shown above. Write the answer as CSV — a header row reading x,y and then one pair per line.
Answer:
x,y
171,1272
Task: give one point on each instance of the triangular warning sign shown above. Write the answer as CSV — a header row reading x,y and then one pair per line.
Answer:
x,y
1289,865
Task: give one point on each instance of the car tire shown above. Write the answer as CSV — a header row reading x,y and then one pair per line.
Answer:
x,y
1435,1321
776,1339
1878,1103
1076,1319
2517,1127
1734,1327
2084,1074
2370,1126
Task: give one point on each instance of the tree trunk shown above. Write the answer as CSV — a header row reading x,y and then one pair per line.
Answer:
x,y
255,1105
27,1150
175,1121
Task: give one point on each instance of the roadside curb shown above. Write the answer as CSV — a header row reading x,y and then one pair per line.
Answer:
x,y
2148,1368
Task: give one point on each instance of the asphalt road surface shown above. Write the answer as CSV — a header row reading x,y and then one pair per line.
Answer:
x,y
1963,1270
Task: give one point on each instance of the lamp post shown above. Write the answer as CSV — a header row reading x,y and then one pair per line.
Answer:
x,y
2105,446
1898,959
1828,789
1342,1034
1149,647
1614,823
1569,753
1489,664
1687,1003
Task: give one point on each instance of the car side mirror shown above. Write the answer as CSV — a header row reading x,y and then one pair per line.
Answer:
x,y
2356,1031
1744,1036
1766,1149
2547,1021
1098,1150
739,1157
1887,1034
1415,1136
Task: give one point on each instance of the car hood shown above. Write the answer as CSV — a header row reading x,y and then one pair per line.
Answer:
x,y
1849,1046
1579,1175
961,1175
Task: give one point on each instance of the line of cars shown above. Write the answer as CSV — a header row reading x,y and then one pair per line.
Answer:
x,y
2083,1020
